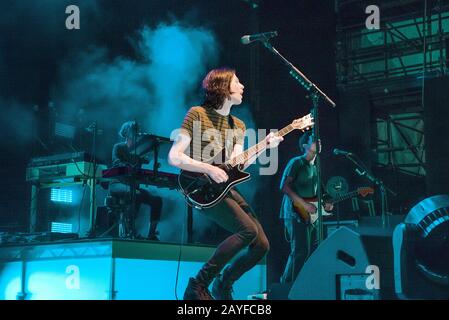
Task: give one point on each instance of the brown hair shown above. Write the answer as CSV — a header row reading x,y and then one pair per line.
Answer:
x,y
216,86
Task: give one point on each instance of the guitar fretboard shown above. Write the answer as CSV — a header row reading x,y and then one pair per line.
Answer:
x,y
345,196
258,148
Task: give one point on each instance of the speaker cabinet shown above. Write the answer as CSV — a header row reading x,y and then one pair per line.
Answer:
x,y
341,268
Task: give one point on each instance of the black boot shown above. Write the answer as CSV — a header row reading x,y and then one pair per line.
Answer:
x,y
153,233
222,287
153,236
197,289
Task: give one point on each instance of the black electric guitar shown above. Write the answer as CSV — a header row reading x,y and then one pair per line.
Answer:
x,y
201,191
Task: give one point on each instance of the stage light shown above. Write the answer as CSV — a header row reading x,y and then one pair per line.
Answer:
x,y
61,227
421,251
431,216
61,195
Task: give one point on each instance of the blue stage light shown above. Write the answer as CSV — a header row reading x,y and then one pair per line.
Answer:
x,y
61,195
61,227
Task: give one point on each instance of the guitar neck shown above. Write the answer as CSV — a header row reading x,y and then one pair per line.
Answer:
x,y
257,149
344,197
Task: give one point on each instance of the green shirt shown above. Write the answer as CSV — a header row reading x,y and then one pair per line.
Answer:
x,y
304,183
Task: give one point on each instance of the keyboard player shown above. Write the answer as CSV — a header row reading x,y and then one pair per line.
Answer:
x,y
123,155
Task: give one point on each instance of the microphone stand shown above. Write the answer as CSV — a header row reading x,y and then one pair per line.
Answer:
x,y
315,95
132,224
362,171
92,184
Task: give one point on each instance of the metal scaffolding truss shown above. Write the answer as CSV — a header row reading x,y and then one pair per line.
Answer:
x,y
367,58
399,144
390,65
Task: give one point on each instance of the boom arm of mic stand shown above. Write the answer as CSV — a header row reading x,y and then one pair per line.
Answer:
x,y
298,75
362,171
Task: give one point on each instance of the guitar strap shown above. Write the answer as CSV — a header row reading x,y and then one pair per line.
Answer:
x,y
231,125
231,121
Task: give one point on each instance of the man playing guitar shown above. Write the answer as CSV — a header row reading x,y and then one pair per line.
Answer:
x,y
248,243
299,182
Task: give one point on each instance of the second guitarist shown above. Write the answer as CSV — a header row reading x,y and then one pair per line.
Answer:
x,y
299,181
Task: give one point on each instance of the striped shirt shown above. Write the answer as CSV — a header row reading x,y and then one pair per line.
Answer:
x,y
210,133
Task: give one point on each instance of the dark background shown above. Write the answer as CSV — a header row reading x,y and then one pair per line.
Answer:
x,y
35,45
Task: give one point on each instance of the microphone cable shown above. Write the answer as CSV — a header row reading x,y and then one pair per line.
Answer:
x,y
180,250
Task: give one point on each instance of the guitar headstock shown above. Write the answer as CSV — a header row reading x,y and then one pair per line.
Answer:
x,y
364,191
304,123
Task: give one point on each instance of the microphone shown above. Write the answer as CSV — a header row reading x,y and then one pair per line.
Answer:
x,y
258,37
341,152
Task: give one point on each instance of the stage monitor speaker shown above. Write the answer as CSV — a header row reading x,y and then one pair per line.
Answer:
x,y
339,256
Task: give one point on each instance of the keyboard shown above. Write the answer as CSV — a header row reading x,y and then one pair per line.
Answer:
x,y
128,175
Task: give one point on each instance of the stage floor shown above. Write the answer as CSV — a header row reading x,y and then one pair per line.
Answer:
x,y
114,269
